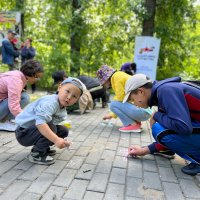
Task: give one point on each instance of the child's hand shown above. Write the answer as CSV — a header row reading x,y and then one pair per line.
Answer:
x,y
61,143
108,116
67,143
138,151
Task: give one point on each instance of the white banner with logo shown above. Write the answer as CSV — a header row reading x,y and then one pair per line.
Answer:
x,y
146,55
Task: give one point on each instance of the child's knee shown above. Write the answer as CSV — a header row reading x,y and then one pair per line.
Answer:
x,y
62,131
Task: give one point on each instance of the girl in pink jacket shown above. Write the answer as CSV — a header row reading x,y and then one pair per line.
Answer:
x,y
12,96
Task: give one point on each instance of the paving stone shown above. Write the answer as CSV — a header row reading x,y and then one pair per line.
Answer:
x,y
75,163
94,157
179,173
111,146
120,162
149,165
108,155
65,178
85,172
29,196
148,183
167,174
40,185
104,166
33,172
133,187
81,138
118,175
89,142
24,165
83,151
5,156
76,190
66,154
15,190
89,195
54,193
135,168
189,188
6,166
9,177
114,192
163,162
98,182
172,191
56,168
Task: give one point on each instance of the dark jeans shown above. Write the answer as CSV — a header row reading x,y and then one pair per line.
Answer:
x,y
31,136
101,93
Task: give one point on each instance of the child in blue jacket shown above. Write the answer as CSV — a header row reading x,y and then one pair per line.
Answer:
x,y
176,124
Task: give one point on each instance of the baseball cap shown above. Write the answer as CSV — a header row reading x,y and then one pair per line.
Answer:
x,y
59,76
13,32
74,82
136,81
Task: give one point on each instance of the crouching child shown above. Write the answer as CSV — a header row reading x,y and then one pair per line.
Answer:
x,y
38,123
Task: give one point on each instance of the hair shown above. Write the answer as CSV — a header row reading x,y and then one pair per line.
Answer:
x,y
31,68
134,67
30,40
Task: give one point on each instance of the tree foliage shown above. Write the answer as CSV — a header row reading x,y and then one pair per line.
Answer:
x,y
104,32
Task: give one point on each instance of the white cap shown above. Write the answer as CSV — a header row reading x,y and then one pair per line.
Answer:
x,y
133,83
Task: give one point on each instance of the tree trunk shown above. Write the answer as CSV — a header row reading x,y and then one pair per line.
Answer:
x,y
148,22
75,40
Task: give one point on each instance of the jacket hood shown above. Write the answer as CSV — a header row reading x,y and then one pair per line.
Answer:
x,y
156,85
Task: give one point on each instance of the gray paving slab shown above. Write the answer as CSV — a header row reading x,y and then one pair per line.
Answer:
x,y
95,167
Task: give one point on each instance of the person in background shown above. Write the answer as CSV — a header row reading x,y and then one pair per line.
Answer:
x,y
129,68
85,102
8,51
96,90
130,115
176,124
27,53
12,96
38,123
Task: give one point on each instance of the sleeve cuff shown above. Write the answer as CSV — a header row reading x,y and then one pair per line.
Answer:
x,y
152,148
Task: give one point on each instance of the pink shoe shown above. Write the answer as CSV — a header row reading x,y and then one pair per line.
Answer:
x,y
136,128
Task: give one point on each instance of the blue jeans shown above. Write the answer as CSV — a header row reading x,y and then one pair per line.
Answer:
x,y
5,111
129,113
186,146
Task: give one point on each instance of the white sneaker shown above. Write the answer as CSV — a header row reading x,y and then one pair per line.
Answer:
x,y
8,126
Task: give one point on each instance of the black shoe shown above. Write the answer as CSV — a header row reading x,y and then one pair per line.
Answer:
x,y
51,152
166,154
191,169
38,158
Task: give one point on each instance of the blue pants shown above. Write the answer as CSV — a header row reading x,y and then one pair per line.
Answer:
x,y
186,146
129,113
5,111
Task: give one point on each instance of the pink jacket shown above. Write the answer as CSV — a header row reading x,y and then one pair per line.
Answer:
x,y
11,86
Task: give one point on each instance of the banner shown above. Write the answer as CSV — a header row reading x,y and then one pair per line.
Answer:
x,y
10,17
146,55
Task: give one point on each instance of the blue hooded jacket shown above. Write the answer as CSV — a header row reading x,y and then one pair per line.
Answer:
x,y
8,52
178,105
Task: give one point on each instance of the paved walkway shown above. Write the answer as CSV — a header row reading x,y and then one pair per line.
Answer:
x,y
94,168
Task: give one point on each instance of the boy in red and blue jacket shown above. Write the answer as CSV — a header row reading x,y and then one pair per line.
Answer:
x,y
176,124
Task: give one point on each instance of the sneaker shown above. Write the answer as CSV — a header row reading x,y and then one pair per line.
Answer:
x,y
51,152
8,126
136,128
38,158
166,154
191,169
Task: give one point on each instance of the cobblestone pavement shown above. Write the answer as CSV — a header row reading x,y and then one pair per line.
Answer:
x,y
94,168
